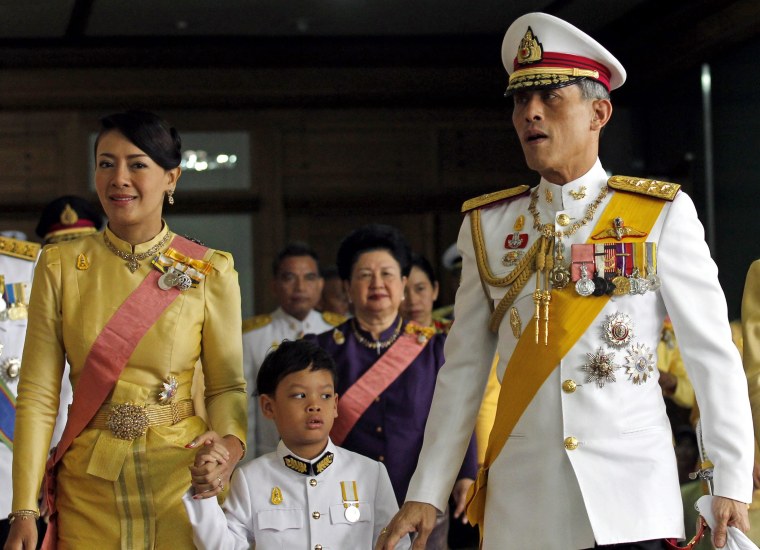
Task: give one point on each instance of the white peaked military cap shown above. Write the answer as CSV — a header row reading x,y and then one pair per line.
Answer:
x,y
541,51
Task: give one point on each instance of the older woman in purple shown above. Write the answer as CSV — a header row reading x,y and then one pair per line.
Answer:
x,y
387,366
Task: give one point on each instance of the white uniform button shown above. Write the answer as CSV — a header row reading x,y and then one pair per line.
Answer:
x,y
571,443
313,482
318,547
569,386
316,515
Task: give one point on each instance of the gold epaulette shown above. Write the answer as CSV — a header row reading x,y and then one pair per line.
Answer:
x,y
490,198
334,319
257,321
19,249
651,188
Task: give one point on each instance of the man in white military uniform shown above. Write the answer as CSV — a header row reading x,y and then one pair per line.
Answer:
x,y
16,269
297,285
579,272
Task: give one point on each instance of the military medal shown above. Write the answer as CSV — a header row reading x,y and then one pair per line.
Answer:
x,y
601,286
10,369
639,285
516,240
166,396
622,285
584,286
600,367
519,222
639,364
559,275
350,501
276,497
617,330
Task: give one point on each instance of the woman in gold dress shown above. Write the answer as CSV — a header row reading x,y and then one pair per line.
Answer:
x,y
120,480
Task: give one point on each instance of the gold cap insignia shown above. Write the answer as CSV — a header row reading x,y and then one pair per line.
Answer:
x,y
69,215
530,49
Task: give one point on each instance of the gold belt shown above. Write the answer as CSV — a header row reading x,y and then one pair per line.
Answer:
x,y
131,420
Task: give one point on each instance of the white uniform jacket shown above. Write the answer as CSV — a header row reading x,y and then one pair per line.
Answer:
x,y
262,433
620,484
12,336
278,508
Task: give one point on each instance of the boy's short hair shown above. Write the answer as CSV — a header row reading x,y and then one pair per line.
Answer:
x,y
289,357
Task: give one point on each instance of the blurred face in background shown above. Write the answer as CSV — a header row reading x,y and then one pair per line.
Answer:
x,y
298,285
334,297
421,293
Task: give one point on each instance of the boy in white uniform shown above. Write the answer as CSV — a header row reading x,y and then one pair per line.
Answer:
x,y
309,493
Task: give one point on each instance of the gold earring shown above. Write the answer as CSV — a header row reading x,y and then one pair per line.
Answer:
x,y
170,195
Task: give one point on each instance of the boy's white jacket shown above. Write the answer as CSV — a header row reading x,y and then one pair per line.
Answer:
x,y
310,514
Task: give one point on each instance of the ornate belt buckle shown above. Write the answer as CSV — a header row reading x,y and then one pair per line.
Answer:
x,y
128,421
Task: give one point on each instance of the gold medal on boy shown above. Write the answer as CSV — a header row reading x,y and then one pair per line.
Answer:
x,y
276,496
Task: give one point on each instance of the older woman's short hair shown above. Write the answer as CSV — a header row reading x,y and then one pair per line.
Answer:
x,y
369,238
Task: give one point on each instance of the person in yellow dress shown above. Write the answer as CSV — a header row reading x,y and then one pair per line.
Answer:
x,y
120,479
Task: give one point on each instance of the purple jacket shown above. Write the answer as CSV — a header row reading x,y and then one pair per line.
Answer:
x,y
392,428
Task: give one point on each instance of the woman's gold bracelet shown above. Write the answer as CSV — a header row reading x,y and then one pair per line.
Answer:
x,y
23,514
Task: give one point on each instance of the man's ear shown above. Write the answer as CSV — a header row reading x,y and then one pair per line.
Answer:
x,y
336,406
602,109
266,404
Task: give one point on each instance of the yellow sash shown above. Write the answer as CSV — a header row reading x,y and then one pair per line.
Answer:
x,y
531,364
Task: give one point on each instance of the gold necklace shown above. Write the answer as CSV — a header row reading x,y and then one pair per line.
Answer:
x,y
379,344
548,229
134,259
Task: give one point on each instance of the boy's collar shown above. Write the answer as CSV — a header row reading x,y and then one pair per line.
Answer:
x,y
307,467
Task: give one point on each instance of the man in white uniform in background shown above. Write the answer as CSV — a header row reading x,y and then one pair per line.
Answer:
x,y
297,285
570,283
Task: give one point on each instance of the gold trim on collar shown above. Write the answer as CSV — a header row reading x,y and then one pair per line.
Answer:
x,y
305,468
651,188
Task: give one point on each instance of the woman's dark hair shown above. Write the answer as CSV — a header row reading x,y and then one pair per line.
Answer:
x,y
373,237
422,263
289,357
147,131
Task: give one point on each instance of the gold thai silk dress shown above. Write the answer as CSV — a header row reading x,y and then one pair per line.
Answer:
x,y
116,493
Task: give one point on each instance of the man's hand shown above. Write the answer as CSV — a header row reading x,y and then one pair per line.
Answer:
x,y
459,494
414,517
728,512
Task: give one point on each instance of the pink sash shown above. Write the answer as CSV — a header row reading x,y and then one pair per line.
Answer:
x,y
105,362
372,383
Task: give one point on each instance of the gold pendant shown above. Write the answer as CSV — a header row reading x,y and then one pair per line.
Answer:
x,y
338,337
276,496
83,264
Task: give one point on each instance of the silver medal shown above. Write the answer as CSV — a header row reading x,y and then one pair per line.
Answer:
x,y
617,329
352,514
584,286
168,280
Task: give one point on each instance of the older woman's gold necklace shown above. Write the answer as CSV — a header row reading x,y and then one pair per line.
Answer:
x,y
133,260
378,345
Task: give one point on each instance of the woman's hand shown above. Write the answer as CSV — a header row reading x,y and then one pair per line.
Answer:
x,y
459,494
214,463
22,535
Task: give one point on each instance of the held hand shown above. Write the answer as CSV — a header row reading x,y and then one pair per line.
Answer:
x,y
728,512
459,494
414,517
214,464
22,535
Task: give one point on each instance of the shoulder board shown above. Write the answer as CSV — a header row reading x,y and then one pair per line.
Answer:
x,y
19,249
651,188
490,198
258,321
332,318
